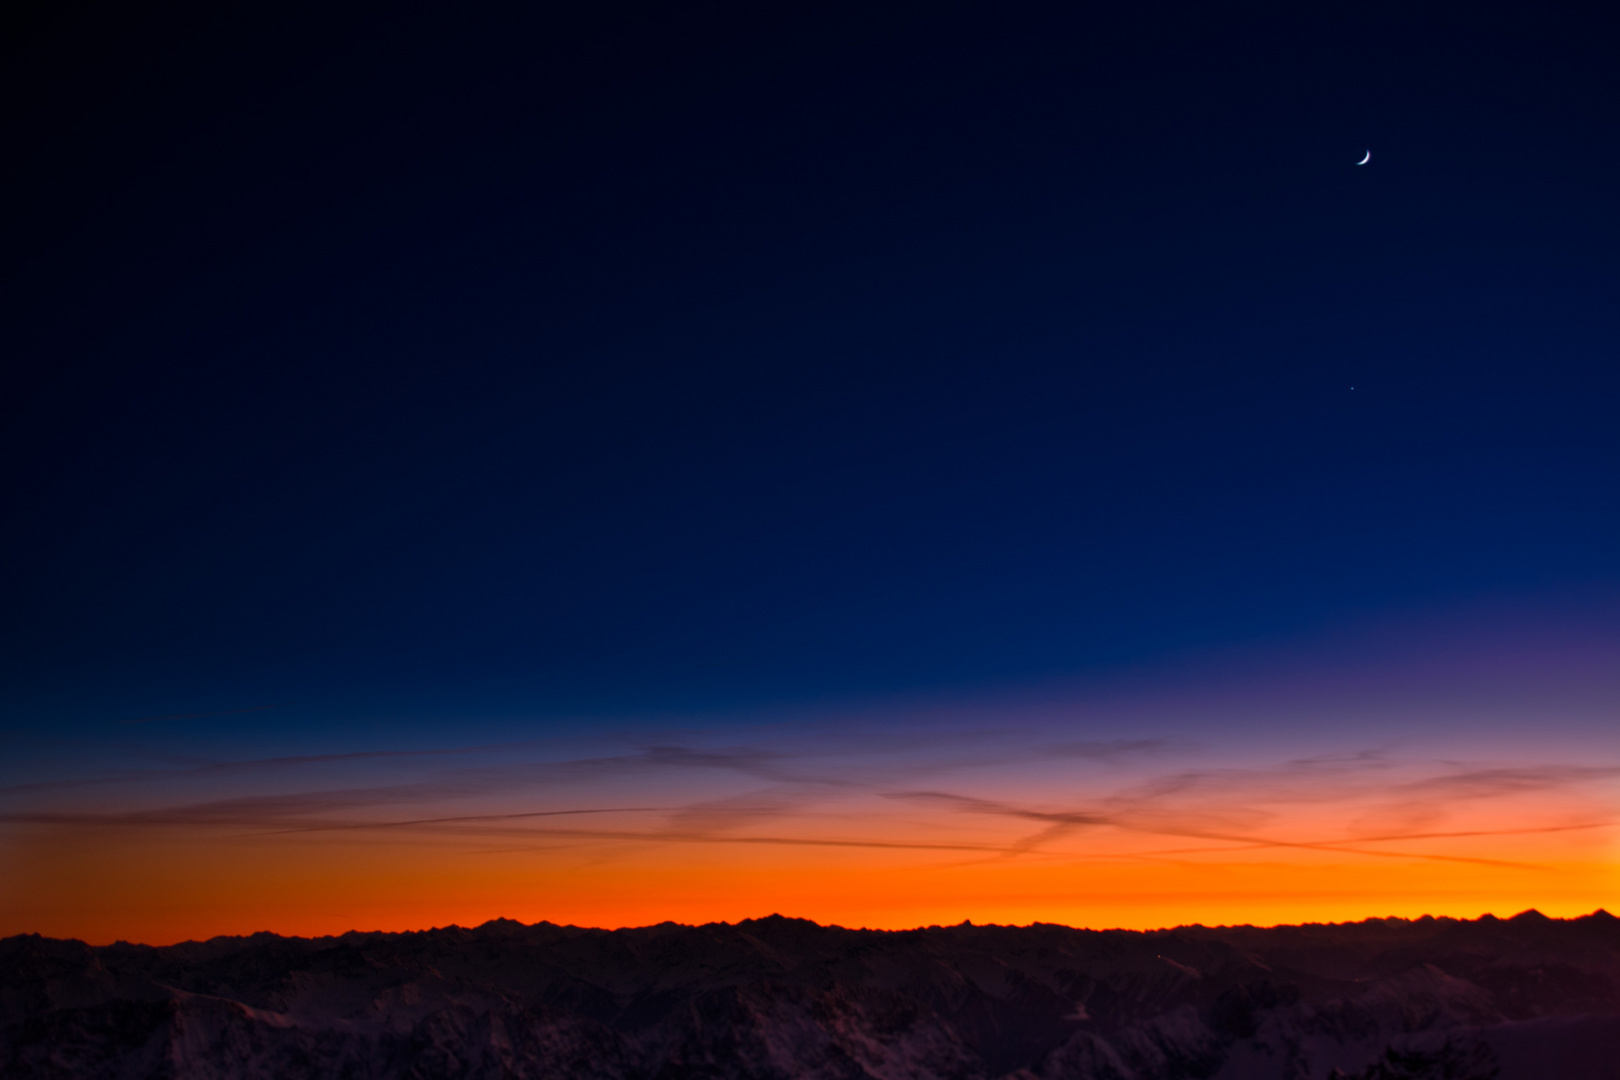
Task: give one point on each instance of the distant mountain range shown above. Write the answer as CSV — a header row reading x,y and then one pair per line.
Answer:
x,y
1528,997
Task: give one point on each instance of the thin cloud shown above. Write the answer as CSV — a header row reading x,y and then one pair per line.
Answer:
x,y
765,764
842,763
489,826
1192,824
757,763
1497,783
738,811
1375,797
1110,750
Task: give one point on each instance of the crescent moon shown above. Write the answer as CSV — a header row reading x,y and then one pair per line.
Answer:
x,y
1366,159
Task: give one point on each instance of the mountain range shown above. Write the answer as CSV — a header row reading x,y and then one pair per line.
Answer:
x,y
1526,997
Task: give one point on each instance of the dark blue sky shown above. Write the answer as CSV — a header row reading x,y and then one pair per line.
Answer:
x,y
699,356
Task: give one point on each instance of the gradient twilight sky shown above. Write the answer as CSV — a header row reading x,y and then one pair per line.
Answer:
x,y
882,463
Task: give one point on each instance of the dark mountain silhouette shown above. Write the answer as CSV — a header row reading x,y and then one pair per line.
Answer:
x,y
1527,997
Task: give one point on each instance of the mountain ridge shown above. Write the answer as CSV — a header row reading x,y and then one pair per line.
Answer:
x,y
787,997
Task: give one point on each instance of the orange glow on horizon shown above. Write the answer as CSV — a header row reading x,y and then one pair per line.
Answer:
x,y
162,888
889,829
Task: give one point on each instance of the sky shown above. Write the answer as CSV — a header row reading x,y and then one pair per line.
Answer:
x,y
881,463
